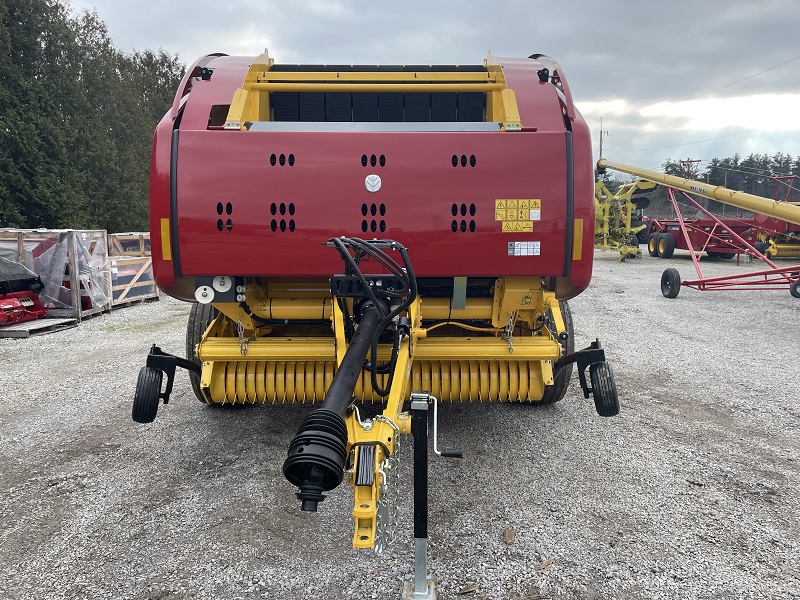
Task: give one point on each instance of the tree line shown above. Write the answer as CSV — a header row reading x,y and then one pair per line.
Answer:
x,y
77,117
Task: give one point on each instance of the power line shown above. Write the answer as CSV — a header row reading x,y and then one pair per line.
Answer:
x,y
639,112
687,143
742,79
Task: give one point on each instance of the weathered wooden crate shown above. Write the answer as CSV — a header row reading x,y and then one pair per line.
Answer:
x,y
132,279
129,244
73,265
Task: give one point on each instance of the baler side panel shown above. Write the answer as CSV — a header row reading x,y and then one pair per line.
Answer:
x,y
278,215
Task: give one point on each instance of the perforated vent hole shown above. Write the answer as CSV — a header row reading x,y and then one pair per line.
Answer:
x,y
282,160
464,160
282,209
373,210
223,210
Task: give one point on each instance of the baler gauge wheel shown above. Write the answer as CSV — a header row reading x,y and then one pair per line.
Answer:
x,y
670,283
666,245
200,318
604,389
794,289
557,391
145,398
652,244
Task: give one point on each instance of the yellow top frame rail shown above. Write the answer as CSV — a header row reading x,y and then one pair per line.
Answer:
x,y
251,102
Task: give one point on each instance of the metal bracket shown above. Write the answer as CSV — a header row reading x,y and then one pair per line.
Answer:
x,y
583,358
163,361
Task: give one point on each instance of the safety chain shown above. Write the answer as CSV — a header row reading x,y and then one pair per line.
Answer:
x,y
386,525
508,333
243,342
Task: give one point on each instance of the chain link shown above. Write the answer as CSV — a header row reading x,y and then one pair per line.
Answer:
x,y
243,342
386,525
508,333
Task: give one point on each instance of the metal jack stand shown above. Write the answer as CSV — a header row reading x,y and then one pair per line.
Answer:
x,y
423,587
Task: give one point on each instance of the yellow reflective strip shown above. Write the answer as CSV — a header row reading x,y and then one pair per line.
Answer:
x,y
577,239
166,244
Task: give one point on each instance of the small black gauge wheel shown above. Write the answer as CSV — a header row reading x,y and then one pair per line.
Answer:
x,y
670,283
794,289
145,398
604,389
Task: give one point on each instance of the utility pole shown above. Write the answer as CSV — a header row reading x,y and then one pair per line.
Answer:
x,y
602,132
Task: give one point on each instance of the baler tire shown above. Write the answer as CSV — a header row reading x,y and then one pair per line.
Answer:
x,y
667,249
760,246
557,391
145,398
670,283
200,318
604,389
652,244
794,289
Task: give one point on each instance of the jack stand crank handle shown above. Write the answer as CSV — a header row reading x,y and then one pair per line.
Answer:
x,y
446,452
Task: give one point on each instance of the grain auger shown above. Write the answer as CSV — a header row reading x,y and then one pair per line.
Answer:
x,y
283,200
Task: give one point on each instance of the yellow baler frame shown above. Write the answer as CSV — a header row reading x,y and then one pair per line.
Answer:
x,y
251,102
491,361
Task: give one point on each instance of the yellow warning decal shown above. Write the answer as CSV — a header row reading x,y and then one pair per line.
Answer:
x,y
517,214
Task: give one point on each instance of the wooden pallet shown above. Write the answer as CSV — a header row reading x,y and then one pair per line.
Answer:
x,y
37,327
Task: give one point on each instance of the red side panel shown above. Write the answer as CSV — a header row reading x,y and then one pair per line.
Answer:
x,y
228,177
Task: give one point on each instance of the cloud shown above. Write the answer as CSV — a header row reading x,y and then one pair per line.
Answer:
x,y
634,64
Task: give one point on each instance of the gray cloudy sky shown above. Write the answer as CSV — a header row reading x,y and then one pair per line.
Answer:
x,y
638,64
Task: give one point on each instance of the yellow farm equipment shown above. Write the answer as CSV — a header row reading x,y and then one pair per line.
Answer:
x,y
777,223
618,217
287,203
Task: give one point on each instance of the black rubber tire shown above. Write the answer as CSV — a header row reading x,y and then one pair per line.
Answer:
x,y
604,389
722,255
794,289
652,244
557,391
670,283
200,318
760,246
145,398
666,245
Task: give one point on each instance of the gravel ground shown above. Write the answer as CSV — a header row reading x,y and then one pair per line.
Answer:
x,y
692,492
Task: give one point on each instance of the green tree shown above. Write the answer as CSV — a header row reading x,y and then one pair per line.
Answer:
x,y
76,119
